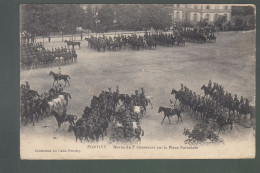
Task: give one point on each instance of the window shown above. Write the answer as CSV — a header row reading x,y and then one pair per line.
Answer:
x,y
216,16
186,15
183,15
216,7
178,5
207,7
226,7
195,17
177,15
195,6
207,16
225,16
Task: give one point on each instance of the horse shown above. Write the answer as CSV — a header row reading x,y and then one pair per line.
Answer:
x,y
197,108
222,122
58,77
148,100
103,123
177,95
168,112
52,106
207,90
211,37
43,106
58,103
243,110
64,118
62,100
29,112
137,131
139,110
77,132
66,95
72,43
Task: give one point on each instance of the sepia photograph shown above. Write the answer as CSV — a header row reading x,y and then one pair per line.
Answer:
x,y
137,81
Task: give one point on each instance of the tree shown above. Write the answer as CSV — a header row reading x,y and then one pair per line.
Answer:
x,y
127,16
238,23
41,19
89,22
106,17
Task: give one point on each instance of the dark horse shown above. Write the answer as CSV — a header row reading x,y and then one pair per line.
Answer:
x,y
64,118
177,95
207,90
72,43
58,77
223,122
168,112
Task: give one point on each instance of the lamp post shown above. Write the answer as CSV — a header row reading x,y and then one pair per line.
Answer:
x,y
115,21
97,22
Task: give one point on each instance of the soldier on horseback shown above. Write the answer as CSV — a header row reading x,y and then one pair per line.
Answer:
x,y
246,104
209,85
117,89
241,100
236,99
27,86
136,98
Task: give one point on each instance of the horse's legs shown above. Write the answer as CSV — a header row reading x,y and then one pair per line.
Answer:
x,y
169,120
68,82
163,119
53,83
32,119
180,117
37,116
151,104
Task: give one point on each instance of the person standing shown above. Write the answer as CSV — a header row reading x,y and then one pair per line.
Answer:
x,y
81,36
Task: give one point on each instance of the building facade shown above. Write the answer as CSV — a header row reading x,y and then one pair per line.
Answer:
x,y
195,12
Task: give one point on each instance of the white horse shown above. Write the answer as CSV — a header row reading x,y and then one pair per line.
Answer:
x,y
148,100
57,102
139,110
62,100
52,107
59,60
135,125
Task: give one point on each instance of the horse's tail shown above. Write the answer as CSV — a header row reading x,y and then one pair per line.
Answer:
x,y
75,117
68,76
69,95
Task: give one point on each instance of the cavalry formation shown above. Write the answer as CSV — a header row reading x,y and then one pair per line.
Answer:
x,y
113,114
135,42
35,55
197,34
216,107
150,40
35,105
118,115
